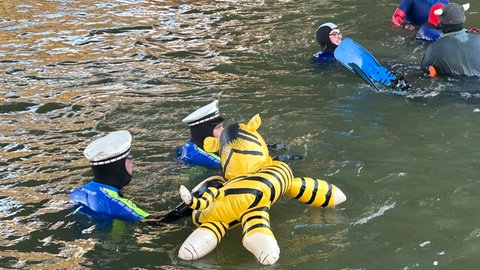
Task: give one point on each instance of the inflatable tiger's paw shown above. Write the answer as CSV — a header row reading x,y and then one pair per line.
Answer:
x,y
198,244
264,247
185,195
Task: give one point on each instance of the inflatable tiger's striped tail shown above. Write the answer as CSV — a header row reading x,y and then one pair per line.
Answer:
x,y
207,197
205,192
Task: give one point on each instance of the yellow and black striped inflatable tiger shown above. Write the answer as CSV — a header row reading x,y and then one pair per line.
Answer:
x,y
253,182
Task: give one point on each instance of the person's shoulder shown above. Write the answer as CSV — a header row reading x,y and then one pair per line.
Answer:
x,y
189,147
323,57
90,186
462,36
406,3
104,191
473,40
473,35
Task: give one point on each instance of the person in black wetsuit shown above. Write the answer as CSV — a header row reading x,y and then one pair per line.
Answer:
x,y
328,36
457,53
203,122
112,166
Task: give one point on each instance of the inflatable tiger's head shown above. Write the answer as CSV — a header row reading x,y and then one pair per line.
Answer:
x,y
241,148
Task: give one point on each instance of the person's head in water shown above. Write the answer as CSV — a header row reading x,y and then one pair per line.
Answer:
x,y
328,36
110,159
204,122
452,17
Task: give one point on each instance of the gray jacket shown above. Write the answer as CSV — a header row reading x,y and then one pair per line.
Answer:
x,y
456,53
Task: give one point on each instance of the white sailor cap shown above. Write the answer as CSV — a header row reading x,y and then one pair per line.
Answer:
x,y
204,114
110,148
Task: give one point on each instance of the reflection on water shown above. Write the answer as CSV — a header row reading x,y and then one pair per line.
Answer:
x,y
72,70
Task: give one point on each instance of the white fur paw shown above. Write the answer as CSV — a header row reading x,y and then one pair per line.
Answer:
x,y
198,244
264,247
185,195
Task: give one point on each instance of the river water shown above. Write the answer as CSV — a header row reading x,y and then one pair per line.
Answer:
x,y
72,70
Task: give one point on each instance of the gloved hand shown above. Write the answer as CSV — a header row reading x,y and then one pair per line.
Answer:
x,y
180,211
408,26
397,17
400,84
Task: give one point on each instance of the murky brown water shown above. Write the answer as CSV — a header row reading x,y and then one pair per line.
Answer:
x,y
71,70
